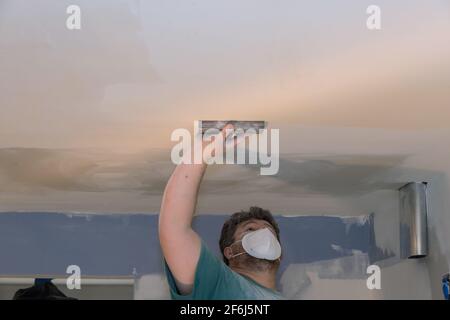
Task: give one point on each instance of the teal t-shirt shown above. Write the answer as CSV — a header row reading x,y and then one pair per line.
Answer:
x,y
214,280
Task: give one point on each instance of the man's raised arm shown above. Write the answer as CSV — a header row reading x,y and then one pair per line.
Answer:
x,y
179,243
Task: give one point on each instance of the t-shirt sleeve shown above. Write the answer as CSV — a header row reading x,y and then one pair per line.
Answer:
x,y
209,272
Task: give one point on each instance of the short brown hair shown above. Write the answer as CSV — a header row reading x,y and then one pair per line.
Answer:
x,y
230,226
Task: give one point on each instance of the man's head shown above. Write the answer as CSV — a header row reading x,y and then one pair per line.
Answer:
x,y
236,227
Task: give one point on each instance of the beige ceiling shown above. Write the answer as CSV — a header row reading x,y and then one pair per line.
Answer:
x,y
140,69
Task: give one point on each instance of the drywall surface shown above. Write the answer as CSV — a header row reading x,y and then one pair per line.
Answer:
x,y
323,256
323,170
137,70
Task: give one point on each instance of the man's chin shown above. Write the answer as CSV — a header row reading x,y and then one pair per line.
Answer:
x,y
260,265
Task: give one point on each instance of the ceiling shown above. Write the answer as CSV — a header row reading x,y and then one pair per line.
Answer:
x,y
86,115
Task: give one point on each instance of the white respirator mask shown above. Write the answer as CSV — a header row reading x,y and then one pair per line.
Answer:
x,y
261,244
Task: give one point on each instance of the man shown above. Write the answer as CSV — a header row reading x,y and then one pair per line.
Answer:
x,y
249,243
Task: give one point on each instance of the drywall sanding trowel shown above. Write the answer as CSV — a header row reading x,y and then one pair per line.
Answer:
x,y
244,125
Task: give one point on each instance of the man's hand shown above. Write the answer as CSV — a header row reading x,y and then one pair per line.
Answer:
x,y
228,143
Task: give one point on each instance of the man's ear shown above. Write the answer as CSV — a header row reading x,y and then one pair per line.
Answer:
x,y
227,252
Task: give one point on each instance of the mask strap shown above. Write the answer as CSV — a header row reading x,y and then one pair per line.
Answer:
x,y
237,254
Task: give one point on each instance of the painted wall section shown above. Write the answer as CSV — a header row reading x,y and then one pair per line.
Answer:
x,y
319,251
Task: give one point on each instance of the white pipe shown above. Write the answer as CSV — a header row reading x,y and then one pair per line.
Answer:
x,y
62,281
